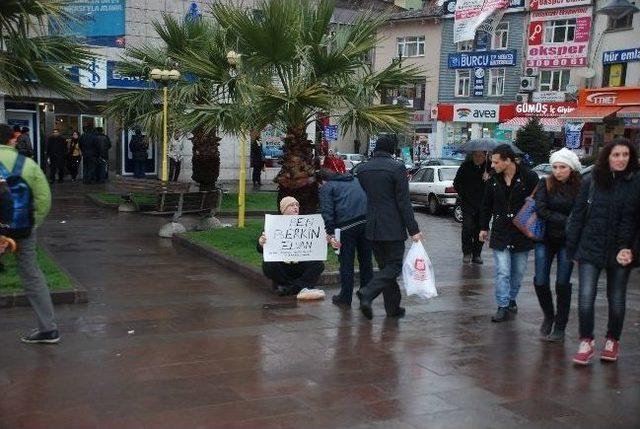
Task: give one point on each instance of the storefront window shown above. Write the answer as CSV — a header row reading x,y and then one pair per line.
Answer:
x,y
463,83
614,74
560,31
554,80
496,82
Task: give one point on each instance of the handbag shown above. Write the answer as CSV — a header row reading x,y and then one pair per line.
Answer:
x,y
528,221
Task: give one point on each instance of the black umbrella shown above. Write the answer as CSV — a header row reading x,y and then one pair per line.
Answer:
x,y
486,145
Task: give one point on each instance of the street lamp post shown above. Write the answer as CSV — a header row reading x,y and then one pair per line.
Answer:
x,y
164,77
233,59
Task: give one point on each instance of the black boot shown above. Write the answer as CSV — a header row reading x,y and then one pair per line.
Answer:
x,y
563,304
546,303
501,315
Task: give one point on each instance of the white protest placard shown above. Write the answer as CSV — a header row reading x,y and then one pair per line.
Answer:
x,y
294,238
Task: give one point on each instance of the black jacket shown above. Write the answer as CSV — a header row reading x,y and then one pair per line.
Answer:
x,y
343,202
470,185
88,145
139,147
256,156
629,235
103,144
56,148
389,211
594,230
504,208
554,208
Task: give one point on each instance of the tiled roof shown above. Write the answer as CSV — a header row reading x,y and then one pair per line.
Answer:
x,y
429,11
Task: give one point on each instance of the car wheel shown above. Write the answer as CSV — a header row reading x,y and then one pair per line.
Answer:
x,y
434,205
457,213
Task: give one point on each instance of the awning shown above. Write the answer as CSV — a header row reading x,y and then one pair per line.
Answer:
x,y
590,114
548,124
629,112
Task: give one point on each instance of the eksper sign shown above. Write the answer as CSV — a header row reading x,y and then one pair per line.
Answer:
x,y
476,113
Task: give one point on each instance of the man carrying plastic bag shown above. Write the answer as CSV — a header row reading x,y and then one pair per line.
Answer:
x,y
417,273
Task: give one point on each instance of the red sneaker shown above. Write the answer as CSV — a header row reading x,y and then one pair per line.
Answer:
x,y
585,352
611,350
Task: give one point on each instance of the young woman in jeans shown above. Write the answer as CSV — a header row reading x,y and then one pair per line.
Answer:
x,y
593,240
555,197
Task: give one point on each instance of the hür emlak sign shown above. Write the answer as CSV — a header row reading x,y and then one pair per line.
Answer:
x,y
476,112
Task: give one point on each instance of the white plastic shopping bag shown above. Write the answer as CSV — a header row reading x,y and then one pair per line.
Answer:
x,y
417,273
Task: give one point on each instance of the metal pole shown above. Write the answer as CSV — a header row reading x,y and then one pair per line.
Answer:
x,y
165,136
243,182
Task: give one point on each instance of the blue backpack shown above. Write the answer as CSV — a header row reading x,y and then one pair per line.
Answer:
x,y
17,204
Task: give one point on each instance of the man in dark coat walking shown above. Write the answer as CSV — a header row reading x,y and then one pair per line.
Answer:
x,y
505,195
89,157
389,217
470,183
103,144
57,155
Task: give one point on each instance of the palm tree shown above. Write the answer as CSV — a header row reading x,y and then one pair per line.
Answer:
x,y
296,65
32,58
144,107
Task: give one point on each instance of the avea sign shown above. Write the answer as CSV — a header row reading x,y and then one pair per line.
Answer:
x,y
476,112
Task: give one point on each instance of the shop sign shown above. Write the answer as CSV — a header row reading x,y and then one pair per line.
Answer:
x,y
572,133
554,55
331,132
478,83
633,123
94,75
471,14
610,97
476,112
544,110
449,6
484,59
621,56
553,4
98,22
547,97
272,140
115,79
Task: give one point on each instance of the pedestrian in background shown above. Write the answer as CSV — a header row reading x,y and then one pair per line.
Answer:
x,y
57,156
74,155
343,205
24,230
389,217
257,160
334,163
176,153
89,156
594,237
24,146
139,148
103,144
470,183
555,197
505,195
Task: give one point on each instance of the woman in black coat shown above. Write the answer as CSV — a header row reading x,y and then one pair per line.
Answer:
x,y
593,240
555,197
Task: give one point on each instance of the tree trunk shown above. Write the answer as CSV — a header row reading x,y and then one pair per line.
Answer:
x,y
206,159
297,175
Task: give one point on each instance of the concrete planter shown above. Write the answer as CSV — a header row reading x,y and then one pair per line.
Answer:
x,y
75,296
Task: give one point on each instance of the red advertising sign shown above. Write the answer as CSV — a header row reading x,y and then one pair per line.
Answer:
x,y
624,96
559,38
544,110
553,4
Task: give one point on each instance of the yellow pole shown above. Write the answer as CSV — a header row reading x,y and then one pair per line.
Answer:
x,y
165,136
242,184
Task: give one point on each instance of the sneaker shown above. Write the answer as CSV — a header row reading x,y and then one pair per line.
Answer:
x,y
556,336
477,260
51,337
585,352
466,259
501,315
513,307
611,350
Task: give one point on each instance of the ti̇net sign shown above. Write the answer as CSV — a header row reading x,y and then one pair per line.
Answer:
x,y
544,110
548,54
476,112
470,14
553,4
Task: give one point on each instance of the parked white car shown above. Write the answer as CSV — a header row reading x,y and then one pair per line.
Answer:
x,y
355,158
433,186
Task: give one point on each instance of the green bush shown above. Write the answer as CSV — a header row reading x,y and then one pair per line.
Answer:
x,y
10,281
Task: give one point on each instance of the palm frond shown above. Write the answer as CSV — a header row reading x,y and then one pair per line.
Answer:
x,y
376,118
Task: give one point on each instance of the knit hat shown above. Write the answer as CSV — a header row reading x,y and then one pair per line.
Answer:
x,y
286,202
385,143
567,157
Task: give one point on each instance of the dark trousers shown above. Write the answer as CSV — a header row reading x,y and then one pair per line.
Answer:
x,y
74,166
389,256
57,166
617,278
471,245
294,276
256,176
174,170
89,168
139,167
352,240
545,254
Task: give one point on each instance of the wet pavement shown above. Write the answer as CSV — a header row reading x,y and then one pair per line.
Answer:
x,y
170,341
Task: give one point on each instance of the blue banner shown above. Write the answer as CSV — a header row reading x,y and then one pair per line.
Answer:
x,y
621,56
483,59
99,22
478,82
331,132
114,79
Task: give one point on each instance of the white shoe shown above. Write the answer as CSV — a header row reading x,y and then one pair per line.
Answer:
x,y
307,294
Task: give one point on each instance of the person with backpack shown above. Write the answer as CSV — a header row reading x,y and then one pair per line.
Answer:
x,y
594,236
31,203
555,197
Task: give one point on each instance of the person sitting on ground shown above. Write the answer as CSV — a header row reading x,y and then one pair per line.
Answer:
x,y
289,278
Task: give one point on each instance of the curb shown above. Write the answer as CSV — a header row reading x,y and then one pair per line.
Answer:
x,y
100,203
76,296
251,273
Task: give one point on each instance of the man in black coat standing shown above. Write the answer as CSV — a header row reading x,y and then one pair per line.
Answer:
x,y
89,156
469,183
57,155
504,196
389,217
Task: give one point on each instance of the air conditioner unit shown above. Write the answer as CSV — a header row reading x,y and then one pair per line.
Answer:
x,y
527,83
531,71
522,97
